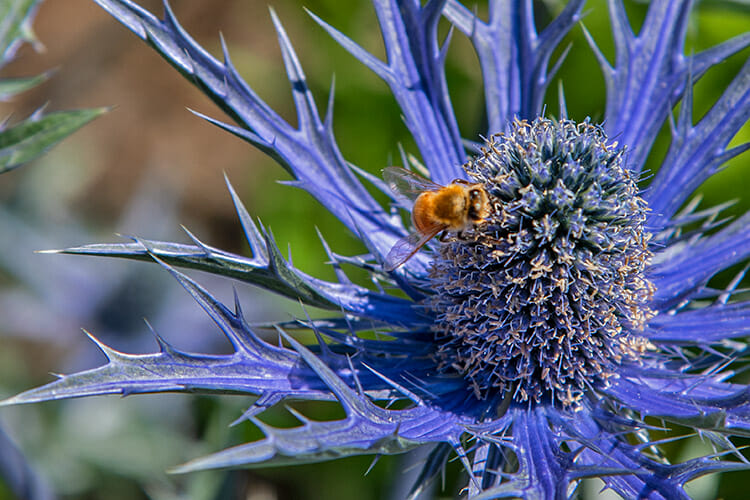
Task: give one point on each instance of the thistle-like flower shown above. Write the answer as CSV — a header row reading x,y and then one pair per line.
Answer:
x,y
543,344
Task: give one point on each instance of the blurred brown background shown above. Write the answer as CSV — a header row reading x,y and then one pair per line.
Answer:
x,y
99,63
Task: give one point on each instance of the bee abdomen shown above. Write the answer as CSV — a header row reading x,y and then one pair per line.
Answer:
x,y
423,214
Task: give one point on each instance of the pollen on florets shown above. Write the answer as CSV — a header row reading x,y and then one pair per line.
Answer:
x,y
548,294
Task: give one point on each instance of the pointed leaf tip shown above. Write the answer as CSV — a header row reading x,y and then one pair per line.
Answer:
x,y
32,137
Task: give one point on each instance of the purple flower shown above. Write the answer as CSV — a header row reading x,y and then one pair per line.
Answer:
x,y
541,346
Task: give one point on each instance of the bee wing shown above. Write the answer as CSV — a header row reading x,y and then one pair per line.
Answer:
x,y
406,184
406,247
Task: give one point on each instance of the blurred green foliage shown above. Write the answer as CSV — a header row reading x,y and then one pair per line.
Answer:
x,y
32,137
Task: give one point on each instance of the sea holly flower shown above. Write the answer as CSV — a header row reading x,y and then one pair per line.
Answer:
x,y
555,340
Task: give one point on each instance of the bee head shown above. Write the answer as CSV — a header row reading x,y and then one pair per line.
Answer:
x,y
478,203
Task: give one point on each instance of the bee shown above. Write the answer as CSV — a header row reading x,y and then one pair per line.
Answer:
x,y
452,208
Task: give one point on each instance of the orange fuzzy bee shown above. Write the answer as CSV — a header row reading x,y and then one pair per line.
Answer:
x,y
452,208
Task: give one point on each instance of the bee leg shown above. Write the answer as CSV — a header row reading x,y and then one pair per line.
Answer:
x,y
443,236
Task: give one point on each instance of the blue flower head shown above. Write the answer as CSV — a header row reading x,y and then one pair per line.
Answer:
x,y
543,344
558,268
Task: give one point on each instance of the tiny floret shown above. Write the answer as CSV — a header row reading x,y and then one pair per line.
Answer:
x,y
548,293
